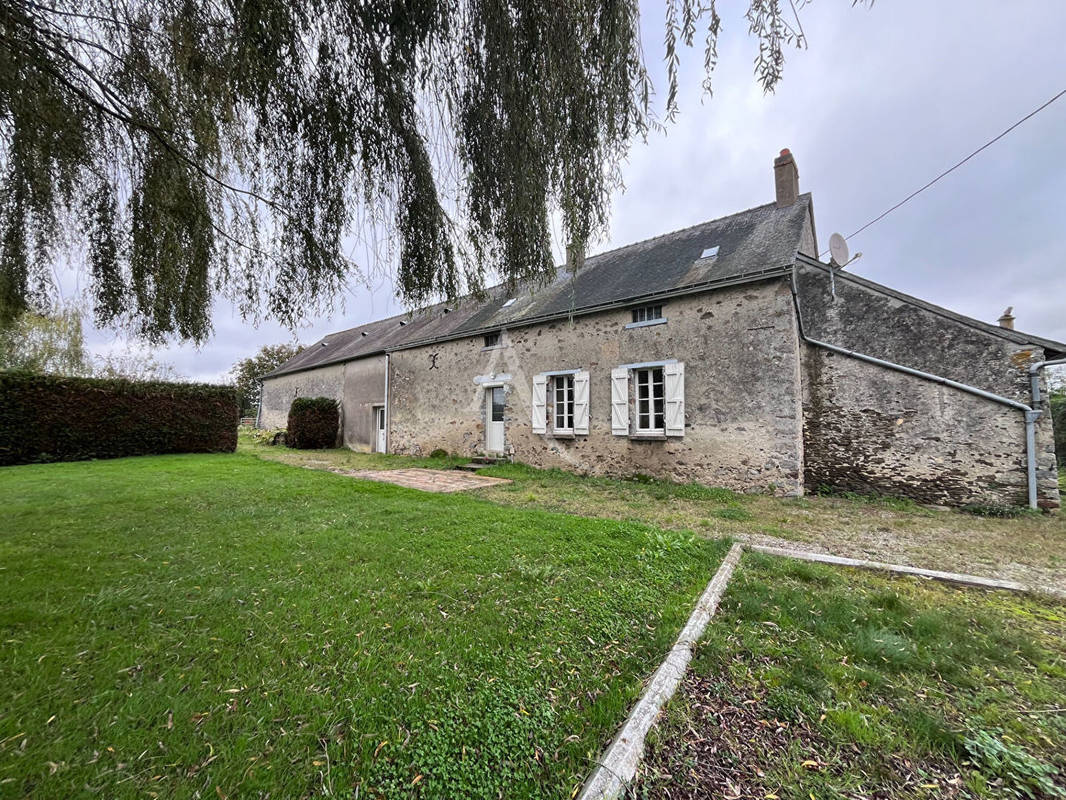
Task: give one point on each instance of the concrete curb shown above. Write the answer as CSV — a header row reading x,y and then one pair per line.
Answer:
x,y
619,763
949,577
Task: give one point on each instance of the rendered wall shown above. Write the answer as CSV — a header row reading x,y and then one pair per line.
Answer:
x,y
870,429
743,414
359,385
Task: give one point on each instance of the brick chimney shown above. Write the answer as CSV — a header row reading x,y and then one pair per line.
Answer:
x,y
1007,320
786,179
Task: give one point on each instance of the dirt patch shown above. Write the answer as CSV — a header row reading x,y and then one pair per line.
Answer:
x,y
723,739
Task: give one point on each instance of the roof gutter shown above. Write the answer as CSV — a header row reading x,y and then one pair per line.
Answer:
x,y
1031,415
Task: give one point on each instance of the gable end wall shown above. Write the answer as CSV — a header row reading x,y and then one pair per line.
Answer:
x,y
873,430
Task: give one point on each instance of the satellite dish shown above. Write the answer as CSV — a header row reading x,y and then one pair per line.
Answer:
x,y
838,250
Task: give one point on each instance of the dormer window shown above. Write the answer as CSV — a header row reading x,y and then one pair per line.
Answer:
x,y
492,339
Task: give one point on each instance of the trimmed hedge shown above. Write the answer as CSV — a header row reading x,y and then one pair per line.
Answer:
x,y
314,423
56,418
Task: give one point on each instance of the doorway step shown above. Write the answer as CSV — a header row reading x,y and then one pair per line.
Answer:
x,y
480,462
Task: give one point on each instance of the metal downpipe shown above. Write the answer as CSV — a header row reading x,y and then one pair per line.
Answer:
x,y
1034,376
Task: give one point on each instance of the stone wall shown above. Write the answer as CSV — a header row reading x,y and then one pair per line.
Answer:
x,y
871,429
743,415
359,385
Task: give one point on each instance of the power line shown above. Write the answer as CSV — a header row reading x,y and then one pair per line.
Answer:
x,y
947,172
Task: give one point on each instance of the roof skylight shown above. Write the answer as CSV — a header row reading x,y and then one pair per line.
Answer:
x,y
710,252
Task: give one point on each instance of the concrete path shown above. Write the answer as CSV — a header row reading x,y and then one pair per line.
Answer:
x,y
429,480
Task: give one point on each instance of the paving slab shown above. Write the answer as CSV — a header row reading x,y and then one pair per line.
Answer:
x,y
429,480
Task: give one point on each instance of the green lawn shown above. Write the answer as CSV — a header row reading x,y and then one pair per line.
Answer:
x,y
222,626
818,682
1030,547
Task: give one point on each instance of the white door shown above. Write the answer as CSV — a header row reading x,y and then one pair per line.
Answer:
x,y
379,425
494,405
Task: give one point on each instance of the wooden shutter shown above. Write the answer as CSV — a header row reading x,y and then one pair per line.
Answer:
x,y
540,403
674,377
620,401
581,402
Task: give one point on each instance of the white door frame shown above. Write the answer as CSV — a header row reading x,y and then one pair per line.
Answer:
x,y
380,429
495,431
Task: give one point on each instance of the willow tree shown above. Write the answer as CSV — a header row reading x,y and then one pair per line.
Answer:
x,y
177,150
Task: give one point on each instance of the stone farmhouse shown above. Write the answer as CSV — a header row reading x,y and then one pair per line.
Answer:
x,y
725,354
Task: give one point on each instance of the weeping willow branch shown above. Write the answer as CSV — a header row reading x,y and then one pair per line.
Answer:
x,y
206,149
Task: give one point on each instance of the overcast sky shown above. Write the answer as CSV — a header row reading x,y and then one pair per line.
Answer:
x,y
884,99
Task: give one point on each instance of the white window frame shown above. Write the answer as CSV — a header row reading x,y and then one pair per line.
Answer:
x,y
654,378
562,393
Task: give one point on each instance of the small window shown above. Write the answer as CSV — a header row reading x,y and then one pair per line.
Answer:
x,y
647,313
492,339
563,403
651,400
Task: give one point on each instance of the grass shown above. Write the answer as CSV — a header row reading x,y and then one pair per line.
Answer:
x,y
909,688
222,626
1029,548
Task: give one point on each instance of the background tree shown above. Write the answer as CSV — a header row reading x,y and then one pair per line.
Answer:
x,y
51,342
1057,403
134,364
54,343
247,371
199,148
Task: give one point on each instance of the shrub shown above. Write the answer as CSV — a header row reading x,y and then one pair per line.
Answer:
x,y
57,418
439,453
998,510
313,423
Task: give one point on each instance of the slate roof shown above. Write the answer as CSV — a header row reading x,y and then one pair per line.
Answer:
x,y
1052,349
751,244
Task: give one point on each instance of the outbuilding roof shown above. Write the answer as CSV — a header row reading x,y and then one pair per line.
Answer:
x,y
750,245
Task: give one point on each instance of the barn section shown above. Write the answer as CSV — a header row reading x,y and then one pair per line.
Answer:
x,y
874,430
359,386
